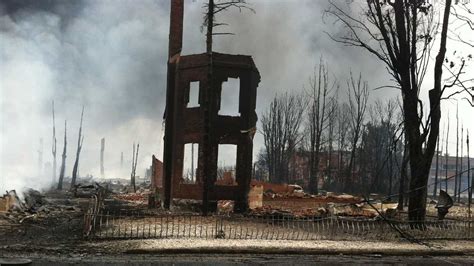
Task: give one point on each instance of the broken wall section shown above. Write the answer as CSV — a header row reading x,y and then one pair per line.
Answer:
x,y
188,124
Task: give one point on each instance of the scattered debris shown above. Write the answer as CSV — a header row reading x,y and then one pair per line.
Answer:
x,y
36,205
9,201
444,203
225,206
33,199
140,197
301,213
87,191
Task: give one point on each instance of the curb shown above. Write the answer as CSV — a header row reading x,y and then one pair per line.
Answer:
x,y
301,251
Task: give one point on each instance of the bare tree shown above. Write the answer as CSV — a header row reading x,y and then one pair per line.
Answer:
x,y
53,150
261,166
320,86
212,9
381,147
80,140
281,132
391,132
401,35
331,127
465,15
63,162
358,95
343,114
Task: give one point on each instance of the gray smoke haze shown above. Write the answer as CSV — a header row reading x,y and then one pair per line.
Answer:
x,y
110,56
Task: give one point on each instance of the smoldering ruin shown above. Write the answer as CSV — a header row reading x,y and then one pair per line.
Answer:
x,y
328,169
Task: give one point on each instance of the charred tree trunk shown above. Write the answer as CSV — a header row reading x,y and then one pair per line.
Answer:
x,y
132,177
331,127
63,162
390,171
358,93
317,121
53,150
134,166
400,29
80,140
421,159
342,128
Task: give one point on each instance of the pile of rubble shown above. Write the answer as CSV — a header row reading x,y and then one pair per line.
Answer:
x,y
119,189
293,191
33,206
297,194
301,213
293,194
137,197
334,209
89,190
373,210
283,199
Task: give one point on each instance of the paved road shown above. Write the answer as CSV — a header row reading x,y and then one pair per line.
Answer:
x,y
210,259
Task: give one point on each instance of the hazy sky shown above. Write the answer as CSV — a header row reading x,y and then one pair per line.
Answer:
x,y
110,56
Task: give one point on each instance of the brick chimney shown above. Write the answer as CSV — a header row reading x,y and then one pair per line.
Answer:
x,y
176,28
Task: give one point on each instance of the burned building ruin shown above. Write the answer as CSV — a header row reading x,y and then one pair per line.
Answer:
x,y
202,124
